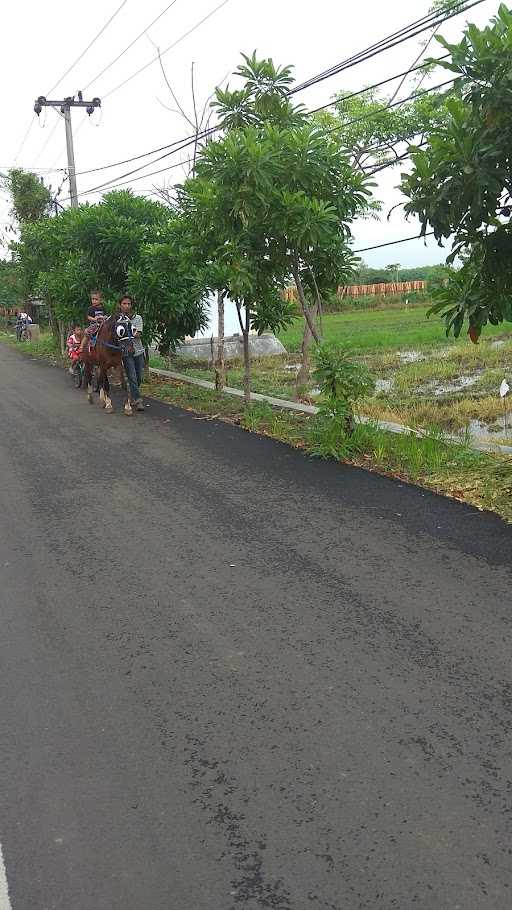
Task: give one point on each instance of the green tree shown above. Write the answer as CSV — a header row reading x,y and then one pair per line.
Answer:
x,y
393,270
279,202
273,198
30,198
124,243
370,130
11,291
461,183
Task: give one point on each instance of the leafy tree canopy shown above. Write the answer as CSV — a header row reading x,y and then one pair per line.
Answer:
x,y
109,245
461,184
30,198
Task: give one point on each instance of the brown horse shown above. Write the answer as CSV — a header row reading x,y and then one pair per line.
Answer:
x,y
113,336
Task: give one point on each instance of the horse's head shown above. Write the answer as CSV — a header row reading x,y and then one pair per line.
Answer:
x,y
121,332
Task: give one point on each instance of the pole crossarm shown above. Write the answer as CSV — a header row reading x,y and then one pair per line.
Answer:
x,y
66,103
64,106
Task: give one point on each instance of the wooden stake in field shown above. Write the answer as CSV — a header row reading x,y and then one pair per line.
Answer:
x,y
504,390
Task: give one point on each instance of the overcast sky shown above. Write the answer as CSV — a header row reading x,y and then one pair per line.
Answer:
x,y
39,42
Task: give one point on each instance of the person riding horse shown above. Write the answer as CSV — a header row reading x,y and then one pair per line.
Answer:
x,y
23,321
114,337
95,316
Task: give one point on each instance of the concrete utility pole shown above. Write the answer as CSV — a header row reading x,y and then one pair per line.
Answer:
x,y
65,109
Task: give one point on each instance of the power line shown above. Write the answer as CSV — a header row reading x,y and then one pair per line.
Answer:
x,y
114,180
37,170
191,138
379,246
213,129
25,137
167,49
457,9
405,34
194,138
379,45
129,46
50,136
370,88
387,107
102,189
82,55
180,144
186,140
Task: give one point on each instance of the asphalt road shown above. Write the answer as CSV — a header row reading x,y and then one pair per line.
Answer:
x,y
233,677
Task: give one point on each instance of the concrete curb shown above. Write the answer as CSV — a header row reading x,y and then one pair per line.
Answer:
x,y
492,448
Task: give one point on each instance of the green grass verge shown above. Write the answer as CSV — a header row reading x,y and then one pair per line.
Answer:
x,y
46,347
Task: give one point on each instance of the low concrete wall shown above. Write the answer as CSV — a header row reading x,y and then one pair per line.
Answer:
x,y
266,345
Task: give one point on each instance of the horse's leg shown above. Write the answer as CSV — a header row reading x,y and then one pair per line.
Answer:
x,y
106,387
128,405
101,383
88,379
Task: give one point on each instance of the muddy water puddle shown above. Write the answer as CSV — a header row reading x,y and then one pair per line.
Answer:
x,y
439,387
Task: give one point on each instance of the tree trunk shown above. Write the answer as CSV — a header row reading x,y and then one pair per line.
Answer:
x,y
146,363
305,364
62,336
308,316
53,322
219,366
247,355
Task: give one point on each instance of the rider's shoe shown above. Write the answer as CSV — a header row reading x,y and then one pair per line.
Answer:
x,y
139,405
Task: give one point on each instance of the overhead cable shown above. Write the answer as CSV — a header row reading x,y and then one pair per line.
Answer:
x,y
82,55
378,246
405,34
129,46
167,49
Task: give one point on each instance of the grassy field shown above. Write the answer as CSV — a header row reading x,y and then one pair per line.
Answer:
x,y
378,330
423,378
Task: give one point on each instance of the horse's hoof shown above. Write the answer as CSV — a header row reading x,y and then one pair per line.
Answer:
x,y
90,399
109,409
127,410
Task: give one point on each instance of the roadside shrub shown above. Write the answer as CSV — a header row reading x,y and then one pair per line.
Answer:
x,y
343,384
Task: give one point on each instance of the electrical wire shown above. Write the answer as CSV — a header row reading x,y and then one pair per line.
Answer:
x,y
191,140
82,55
124,182
379,246
370,88
114,180
49,137
36,170
171,46
457,9
405,34
180,144
211,130
387,107
129,46
379,45
25,137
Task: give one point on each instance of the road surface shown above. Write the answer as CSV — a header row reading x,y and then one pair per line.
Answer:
x,y
234,677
